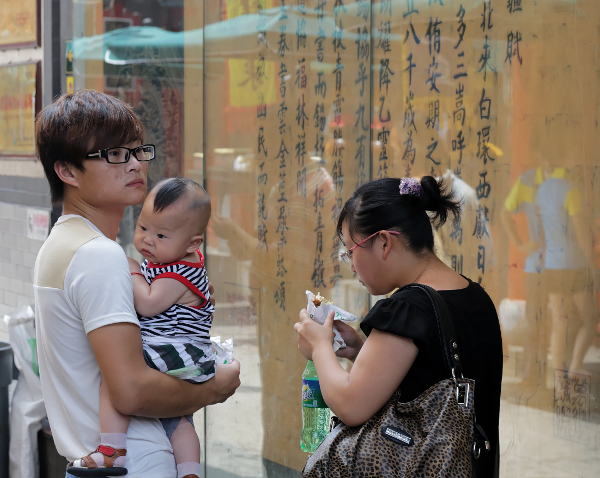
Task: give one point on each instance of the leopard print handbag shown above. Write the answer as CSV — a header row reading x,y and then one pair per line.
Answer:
x,y
431,436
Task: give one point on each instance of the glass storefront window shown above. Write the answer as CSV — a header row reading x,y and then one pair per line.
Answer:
x,y
281,108
17,110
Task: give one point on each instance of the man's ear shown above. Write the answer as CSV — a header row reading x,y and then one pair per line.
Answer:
x,y
65,172
195,243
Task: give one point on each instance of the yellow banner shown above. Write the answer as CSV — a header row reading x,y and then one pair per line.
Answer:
x,y
17,110
251,82
18,22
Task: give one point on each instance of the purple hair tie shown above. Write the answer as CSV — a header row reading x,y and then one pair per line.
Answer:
x,y
410,186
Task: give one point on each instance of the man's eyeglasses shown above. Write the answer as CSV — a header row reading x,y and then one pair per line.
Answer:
x,y
345,256
145,152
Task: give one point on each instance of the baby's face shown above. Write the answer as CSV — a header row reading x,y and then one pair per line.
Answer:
x,y
165,236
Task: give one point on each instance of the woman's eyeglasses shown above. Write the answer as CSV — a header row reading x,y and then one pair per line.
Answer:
x,y
119,155
346,255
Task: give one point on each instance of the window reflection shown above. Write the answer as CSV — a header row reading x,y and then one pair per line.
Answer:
x,y
303,100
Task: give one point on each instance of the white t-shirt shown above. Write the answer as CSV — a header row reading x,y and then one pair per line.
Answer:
x,y
82,282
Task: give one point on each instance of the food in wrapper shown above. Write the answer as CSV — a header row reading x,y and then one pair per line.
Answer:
x,y
318,307
319,299
222,351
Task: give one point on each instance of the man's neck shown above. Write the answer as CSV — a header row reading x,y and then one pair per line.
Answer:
x,y
107,220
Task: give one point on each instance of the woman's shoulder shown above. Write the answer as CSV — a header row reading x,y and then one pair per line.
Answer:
x,y
473,296
404,313
415,296
402,301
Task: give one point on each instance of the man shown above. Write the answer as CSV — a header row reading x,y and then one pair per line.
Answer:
x,y
87,328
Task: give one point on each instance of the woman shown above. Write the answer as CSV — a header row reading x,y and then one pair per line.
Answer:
x,y
386,227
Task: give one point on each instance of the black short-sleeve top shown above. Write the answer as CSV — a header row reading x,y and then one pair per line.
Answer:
x,y
409,313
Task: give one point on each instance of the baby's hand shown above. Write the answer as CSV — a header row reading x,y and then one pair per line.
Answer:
x,y
134,266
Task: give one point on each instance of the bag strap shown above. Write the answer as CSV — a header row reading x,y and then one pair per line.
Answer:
x,y
453,357
445,328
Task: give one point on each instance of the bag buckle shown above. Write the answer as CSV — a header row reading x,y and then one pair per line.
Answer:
x,y
462,393
462,390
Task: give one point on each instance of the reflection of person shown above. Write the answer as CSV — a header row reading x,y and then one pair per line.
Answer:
x,y
172,297
246,245
521,199
86,323
272,262
389,238
568,263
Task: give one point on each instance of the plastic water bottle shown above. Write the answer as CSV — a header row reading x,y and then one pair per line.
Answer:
x,y
315,412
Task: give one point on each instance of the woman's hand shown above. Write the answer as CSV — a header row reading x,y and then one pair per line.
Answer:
x,y
353,340
312,335
134,266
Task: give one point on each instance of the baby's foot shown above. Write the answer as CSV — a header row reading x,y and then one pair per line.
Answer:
x,y
104,456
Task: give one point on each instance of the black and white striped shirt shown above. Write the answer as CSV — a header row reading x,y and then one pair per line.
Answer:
x,y
180,321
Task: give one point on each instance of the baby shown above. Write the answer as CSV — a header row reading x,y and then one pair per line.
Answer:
x,y
172,300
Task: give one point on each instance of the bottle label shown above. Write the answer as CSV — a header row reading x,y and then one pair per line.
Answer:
x,y
311,394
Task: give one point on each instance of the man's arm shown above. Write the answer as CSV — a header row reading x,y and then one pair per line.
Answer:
x,y
136,389
245,245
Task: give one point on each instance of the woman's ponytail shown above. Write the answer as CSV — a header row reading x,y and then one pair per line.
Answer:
x,y
439,200
403,206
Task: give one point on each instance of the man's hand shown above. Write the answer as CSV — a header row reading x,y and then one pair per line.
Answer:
x,y
225,382
134,266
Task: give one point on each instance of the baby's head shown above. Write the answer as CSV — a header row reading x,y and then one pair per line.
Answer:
x,y
173,220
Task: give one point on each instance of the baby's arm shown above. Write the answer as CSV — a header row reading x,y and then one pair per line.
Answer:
x,y
152,300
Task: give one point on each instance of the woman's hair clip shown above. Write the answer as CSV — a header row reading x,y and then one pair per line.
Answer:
x,y
410,186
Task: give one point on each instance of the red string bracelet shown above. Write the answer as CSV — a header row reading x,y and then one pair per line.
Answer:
x,y
138,273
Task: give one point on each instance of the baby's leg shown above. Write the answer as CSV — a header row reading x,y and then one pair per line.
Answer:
x,y
112,421
186,449
113,430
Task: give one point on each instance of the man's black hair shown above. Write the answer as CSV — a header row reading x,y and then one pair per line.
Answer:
x,y
78,123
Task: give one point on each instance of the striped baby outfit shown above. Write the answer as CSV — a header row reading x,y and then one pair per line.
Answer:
x,y
177,341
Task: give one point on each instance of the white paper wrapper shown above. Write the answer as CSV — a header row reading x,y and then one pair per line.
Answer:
x,y
222,351
319,314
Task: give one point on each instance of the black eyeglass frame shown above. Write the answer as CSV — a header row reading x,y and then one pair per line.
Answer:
x,y
103,153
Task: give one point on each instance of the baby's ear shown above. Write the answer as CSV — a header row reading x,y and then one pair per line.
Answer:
x,y
195,243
